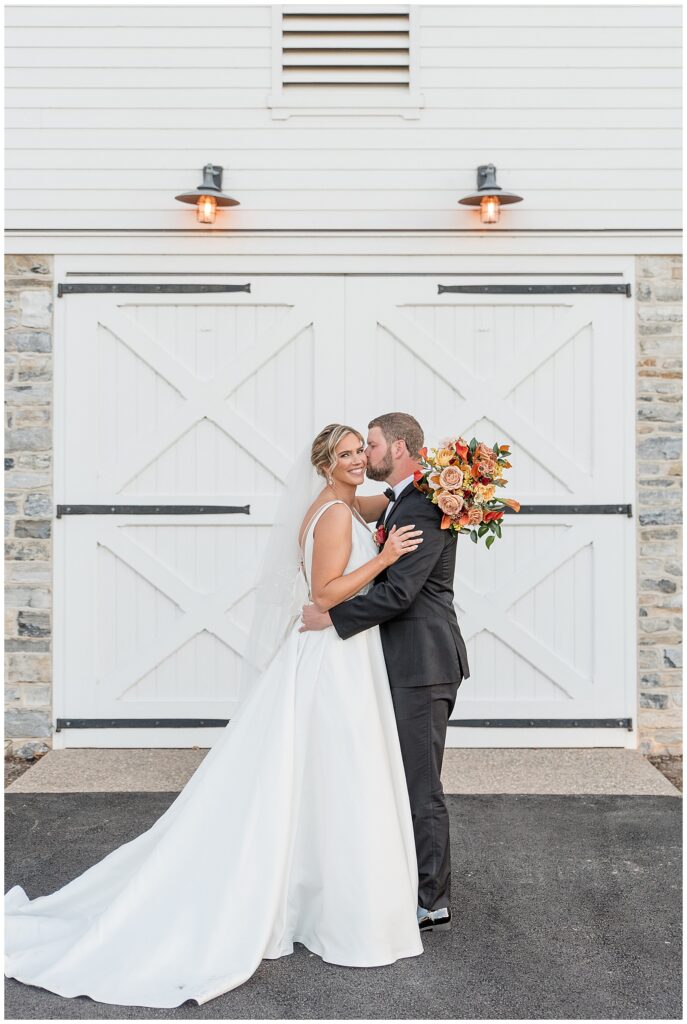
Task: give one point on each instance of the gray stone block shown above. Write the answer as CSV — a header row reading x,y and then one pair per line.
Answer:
x,y
659,411
31,341
26,644
33,623
20,265
35,695
21,722
660,516
33,528
31,749
28,549
35,307
38,503
27,596
653,700
659,446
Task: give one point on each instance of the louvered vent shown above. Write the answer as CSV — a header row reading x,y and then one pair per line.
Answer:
x,y
345,49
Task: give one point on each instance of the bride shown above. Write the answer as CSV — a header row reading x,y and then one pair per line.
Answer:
x,y
296,826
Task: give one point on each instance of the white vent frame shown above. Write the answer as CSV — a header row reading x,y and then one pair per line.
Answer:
x,y
404,101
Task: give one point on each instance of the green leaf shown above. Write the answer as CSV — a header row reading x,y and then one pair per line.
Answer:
x,y
498,529
495,448
473,535
490,540
483,529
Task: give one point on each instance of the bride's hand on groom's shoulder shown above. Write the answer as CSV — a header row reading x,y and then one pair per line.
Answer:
x,y
313,618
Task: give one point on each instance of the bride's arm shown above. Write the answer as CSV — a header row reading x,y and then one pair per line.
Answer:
x,y
332,550
371,507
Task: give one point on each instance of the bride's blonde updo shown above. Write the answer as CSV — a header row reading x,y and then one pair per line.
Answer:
x,y
323,456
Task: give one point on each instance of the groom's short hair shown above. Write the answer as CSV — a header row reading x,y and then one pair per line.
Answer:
x,y
401,426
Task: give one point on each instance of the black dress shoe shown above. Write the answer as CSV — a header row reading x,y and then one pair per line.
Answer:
x,y
436,920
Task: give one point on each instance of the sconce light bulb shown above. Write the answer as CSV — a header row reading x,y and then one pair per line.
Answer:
x,y
490,209
207,206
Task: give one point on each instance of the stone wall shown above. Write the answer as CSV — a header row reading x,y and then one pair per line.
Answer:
x,y
28,502
659,502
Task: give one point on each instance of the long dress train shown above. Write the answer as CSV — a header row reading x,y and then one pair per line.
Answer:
x,y
296,827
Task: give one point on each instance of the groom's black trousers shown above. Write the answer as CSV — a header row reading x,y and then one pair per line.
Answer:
x,y
422,714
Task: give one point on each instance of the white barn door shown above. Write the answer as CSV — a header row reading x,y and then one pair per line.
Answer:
x,y
547,612
167,400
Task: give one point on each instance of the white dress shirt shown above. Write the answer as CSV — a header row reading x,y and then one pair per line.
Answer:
x,y
400,486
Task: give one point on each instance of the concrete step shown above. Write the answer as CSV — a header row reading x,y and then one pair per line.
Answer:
x,y
476,770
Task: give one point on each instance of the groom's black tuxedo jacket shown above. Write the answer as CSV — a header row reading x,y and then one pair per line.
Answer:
x,y
412,602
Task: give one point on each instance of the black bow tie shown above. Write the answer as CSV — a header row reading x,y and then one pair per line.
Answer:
x,y
390,493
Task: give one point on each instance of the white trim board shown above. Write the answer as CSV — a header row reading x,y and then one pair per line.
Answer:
x,y
345,250
92,265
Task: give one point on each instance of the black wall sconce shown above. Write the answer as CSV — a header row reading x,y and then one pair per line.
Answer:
x,y
208,196
489,196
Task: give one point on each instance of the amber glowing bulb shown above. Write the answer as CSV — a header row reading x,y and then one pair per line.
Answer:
x,y
207,205
489,209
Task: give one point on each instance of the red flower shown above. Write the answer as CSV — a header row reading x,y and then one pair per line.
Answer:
x,y
380,536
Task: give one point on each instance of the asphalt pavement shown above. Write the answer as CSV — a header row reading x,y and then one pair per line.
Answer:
x,y
564,907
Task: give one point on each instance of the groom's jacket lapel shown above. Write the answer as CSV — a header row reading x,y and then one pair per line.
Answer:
x,y
406,491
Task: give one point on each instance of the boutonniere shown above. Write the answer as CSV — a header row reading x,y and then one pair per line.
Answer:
x,y
380,536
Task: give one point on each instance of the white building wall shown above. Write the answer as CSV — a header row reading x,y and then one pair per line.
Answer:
x,y
111,111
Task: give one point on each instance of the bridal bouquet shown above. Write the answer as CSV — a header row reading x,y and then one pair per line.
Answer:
x,y
462,479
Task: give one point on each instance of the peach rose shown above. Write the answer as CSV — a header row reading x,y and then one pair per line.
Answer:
x,y
451,504
486,467
451,478
474,515
483,451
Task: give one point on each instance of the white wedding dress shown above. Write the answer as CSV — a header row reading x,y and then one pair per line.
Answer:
x,y
296,827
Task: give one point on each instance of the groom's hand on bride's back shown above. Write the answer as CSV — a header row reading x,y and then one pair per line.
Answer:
x,y
313,618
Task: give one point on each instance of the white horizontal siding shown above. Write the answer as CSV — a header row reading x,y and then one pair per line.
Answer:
x,y
110,111
564,163
257,56
476,101
40,116
450,78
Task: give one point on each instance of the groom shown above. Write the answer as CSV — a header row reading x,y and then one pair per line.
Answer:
x,y
426,659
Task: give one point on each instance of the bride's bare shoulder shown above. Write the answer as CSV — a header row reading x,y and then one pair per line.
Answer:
x,y
317,504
